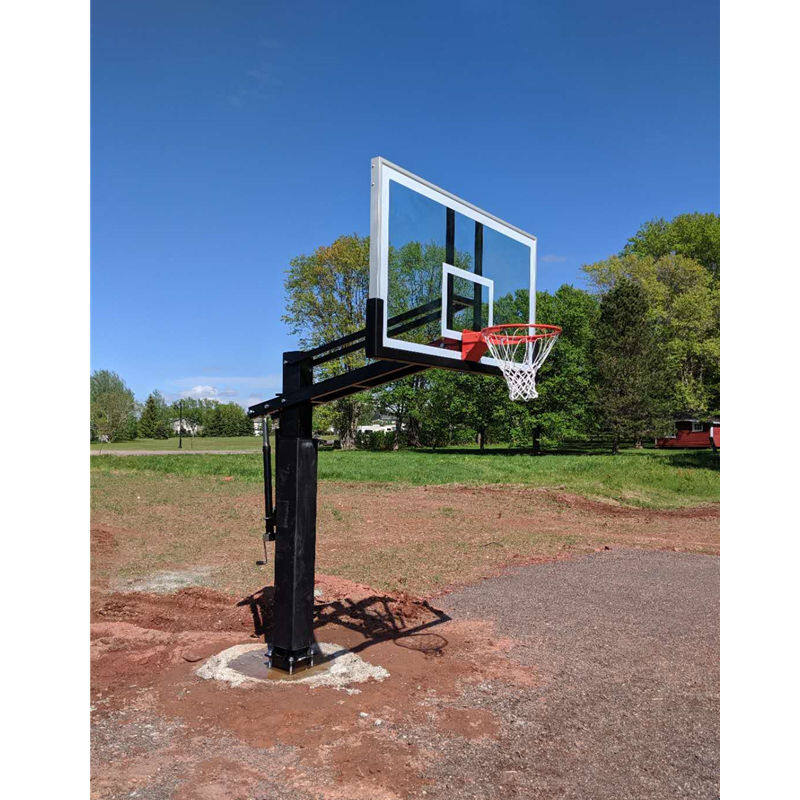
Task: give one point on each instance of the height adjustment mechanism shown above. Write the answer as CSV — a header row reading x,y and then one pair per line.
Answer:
x,y
269,508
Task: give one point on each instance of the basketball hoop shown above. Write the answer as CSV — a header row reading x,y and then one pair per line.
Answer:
x,y
520,350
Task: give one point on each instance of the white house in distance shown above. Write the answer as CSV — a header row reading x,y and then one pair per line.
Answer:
x,y
189,428
376,426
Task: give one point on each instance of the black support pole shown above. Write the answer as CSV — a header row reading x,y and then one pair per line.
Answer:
x,y
296,521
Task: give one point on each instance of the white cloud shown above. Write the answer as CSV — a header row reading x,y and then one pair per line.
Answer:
x,y
250,382
246,390
201,392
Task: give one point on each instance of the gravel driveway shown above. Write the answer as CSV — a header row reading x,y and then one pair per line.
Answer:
x,y
627,646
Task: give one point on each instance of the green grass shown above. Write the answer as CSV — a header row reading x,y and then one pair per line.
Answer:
x,y
648,478
189,443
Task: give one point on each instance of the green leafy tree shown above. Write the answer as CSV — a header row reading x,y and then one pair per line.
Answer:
x,y
403,401
684,304
227,419
236,420
153,423
453,407
433,422
630,379
481,403
695,347
563,408
323,420
695,236
327,295
111,407
440,407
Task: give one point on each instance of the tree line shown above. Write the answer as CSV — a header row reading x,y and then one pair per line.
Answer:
x,y
116,416
639,349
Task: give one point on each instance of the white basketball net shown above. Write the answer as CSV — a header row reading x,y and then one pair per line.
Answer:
x,y
521,350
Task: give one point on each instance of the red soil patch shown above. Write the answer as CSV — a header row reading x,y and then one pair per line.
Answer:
x,y
140,668
219,779
375,763
607,508
193,609
471,723
103,540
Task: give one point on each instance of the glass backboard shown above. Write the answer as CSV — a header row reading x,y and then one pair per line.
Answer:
x,y
438,266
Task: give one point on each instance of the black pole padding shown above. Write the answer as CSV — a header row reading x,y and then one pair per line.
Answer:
x,y
292,643
292,638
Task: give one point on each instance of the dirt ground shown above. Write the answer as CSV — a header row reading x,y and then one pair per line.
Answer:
x,y
416,539
607,689
159,731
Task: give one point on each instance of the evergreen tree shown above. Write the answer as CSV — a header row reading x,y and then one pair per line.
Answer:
x,y
152,423
214,423
630,376
683,302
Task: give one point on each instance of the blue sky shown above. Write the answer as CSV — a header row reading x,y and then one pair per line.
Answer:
x,y
229,137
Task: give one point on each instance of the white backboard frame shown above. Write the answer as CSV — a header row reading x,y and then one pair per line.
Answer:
x,y
383,172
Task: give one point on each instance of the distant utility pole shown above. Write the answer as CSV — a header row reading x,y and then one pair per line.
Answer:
x,y
180,425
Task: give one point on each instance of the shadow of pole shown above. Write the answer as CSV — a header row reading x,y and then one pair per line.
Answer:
x,y
378,618
260,604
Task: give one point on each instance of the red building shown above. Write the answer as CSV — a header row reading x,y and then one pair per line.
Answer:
x,y
692,433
